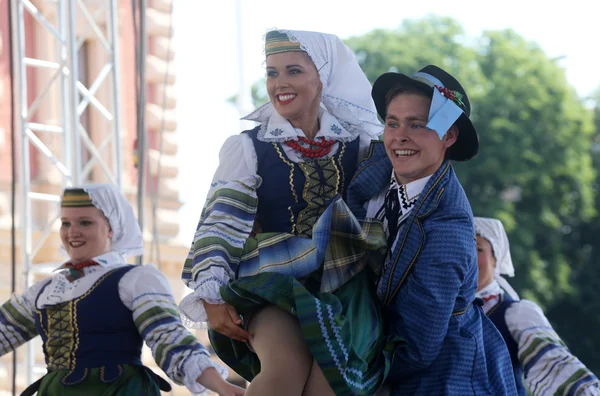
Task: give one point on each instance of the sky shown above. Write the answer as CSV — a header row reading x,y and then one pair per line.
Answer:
x,y
207,58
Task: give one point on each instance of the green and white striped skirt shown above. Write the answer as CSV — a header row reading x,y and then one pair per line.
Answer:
x,y
336,304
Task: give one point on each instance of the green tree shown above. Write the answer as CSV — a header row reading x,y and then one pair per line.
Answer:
x,y
535,145
577,315
258,93
416,43
534,168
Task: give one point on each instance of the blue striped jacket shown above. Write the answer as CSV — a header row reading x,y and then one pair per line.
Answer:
x,y
429,290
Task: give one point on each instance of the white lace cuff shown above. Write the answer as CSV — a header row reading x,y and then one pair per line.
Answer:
x,y
194,367
191,309
592,389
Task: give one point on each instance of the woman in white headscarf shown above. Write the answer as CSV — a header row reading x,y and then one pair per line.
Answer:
x,y
540,358
95,313
276,243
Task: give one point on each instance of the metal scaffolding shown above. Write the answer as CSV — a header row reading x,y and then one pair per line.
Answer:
x,y
64,142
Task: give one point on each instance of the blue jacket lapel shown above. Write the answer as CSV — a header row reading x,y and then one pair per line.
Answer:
x,y
373,176
411,240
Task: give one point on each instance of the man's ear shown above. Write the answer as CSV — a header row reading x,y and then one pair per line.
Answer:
x,y
451,136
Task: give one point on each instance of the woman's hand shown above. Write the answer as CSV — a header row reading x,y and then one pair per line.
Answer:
x,y
228,389
224,319
212,380
256,229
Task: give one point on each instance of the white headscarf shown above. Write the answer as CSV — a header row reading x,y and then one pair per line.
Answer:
x,y
493,231
346,90
127,236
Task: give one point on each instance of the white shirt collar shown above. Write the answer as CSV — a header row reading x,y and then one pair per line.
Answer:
x,y
493,289
491,295
413,189
106,260
279,129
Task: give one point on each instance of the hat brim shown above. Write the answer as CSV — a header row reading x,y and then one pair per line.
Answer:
x,y
467,143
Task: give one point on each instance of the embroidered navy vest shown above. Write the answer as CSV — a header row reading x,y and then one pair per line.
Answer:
x,y
293,196
94,330
496,315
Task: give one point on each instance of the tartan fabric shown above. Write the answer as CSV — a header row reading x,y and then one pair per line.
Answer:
x,y
340,248
428,290
135,380
327,282
343,330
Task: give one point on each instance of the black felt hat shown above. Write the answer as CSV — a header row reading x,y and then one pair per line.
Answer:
x,y
427,79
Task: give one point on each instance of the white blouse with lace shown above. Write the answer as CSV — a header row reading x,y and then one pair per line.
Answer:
x,y
550,368
238,162
279,129
143,290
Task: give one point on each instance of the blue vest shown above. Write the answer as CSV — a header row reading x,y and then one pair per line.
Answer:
x,y
94,330
292,195
496,315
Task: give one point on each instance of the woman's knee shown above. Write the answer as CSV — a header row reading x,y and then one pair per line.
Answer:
x,y
278,341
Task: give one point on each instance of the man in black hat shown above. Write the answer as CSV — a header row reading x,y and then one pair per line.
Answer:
x,y
428,283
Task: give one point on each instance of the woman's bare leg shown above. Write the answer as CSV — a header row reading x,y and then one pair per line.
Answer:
x,y
317,384
285,359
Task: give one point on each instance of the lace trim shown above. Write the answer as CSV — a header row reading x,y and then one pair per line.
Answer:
x,y
195,366
191,310
358,126
258,112
351,129
336,102
303,47
260,135
369,128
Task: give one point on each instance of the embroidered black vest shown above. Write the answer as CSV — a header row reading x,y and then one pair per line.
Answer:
x,y
94,330
293,196
496,315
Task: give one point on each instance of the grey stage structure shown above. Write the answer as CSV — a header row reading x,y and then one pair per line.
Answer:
x,y
61,20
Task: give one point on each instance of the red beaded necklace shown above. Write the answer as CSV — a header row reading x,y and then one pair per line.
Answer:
x,y
82,265
322,148
488,298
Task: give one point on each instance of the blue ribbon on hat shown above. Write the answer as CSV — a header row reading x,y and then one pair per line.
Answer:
x,y
443,112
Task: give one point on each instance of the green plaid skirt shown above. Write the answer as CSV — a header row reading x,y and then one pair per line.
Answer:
x,y
343,329
135,381
327,282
